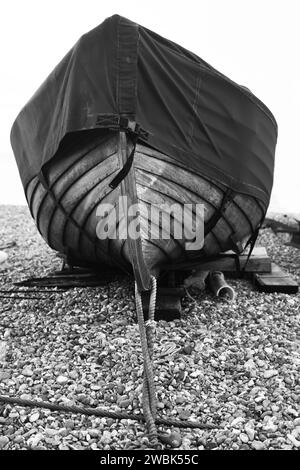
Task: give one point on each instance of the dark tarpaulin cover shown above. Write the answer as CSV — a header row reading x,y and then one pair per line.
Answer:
x,y
191,111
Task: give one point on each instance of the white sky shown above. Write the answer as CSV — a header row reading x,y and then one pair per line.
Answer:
x,y
254,42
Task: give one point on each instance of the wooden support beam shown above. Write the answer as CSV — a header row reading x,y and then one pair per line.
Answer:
x,y
75,277
259,261
276,281
168,303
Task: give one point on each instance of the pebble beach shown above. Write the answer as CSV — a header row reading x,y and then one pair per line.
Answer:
x,y
232,364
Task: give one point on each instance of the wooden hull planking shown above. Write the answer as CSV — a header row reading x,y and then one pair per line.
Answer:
x,y
65,211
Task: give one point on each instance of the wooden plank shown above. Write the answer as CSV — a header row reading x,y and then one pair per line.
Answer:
x,y
259,261
74,277
68,282
276,281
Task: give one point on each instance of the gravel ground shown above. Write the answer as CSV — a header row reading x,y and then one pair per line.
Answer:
x,y
235,364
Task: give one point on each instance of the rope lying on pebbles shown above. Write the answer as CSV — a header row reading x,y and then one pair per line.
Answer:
x,y
147,343
102,413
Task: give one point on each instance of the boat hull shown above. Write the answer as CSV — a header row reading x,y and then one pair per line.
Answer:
x,y
66,201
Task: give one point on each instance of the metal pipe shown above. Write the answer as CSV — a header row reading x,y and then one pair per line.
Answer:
x,y
219,286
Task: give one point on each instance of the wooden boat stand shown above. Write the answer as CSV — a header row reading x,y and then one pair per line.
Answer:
x,y
265,275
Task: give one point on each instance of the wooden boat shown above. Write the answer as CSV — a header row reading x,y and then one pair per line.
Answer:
x,y
68,169
66,211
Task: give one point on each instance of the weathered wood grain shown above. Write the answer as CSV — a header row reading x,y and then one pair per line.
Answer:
x,y
78,182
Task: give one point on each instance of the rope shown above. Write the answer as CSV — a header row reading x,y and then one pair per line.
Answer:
x,y
100,412
189,295
147,343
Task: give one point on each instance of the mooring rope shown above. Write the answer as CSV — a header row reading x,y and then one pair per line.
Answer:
x,y
147,343
100,412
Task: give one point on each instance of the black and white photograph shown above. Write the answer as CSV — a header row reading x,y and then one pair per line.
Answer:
x,y
149,229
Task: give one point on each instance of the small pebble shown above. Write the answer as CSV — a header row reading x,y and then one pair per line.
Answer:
x,y
63,447
62,379
106,437
244,447
120,389
270,373
257,445
3,441
187,349
184,415
4,375
244,438
69,424
293,440
34,417
173,439
27,371
124,403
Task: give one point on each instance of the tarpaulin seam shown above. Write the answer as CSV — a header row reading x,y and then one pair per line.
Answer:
x,y
195,107
127,54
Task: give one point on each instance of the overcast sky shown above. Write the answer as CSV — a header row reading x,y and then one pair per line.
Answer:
x,y
256,43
